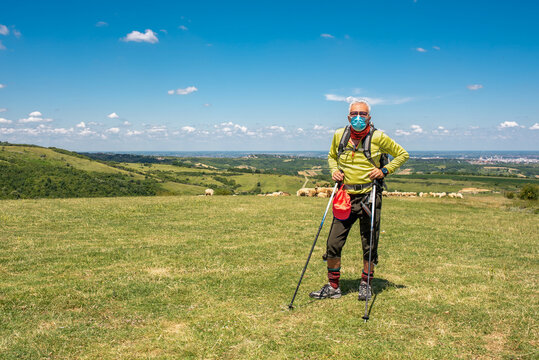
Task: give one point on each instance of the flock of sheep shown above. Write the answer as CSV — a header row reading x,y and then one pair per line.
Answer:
x,y
325,192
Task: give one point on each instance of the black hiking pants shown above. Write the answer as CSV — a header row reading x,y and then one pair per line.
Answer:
x,y
340,228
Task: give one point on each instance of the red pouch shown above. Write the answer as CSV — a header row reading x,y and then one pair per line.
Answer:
x,y
341,204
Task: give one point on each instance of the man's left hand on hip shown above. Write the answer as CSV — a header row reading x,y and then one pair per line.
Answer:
x,y
376,174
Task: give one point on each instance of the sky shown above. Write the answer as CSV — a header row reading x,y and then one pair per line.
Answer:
x,y
268,75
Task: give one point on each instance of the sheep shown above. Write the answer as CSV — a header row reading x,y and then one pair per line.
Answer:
x,y
306,192
208,192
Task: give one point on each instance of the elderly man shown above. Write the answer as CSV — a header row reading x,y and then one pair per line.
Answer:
x,y
357,172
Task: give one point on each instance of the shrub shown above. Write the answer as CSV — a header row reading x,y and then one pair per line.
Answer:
x,y
529,192
222,191
510,195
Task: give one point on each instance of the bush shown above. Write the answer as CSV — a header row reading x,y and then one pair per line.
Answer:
x,y
510,195
222,191
529,192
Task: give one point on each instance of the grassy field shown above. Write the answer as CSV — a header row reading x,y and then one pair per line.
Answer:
x,y
211,277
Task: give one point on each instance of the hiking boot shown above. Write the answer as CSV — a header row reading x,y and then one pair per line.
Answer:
x,y
364,291
327,291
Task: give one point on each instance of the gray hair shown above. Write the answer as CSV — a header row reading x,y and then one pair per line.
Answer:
x,y
360,101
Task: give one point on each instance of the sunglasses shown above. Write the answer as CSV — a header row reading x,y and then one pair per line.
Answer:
x,y
360,113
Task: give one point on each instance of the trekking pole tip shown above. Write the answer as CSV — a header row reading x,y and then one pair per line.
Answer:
x,y
290,307
365,318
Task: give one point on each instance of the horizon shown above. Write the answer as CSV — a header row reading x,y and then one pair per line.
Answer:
x,y
276,76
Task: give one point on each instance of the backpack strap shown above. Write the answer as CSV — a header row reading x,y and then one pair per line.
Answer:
x,y
344,141
367,145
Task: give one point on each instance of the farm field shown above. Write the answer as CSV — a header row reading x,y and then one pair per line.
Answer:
x,y
211,277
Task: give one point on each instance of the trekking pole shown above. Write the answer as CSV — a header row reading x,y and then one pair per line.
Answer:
x,y
366,316
312,248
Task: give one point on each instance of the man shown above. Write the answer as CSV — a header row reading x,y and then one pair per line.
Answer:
x,y
357,173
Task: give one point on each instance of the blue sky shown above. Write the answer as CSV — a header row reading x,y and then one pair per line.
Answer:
x,y
268,75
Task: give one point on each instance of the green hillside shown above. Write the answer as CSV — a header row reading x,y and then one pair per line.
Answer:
x,y
29,171
37,172
211,278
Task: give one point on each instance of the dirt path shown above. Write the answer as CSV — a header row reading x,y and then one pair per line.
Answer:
x,y
305,183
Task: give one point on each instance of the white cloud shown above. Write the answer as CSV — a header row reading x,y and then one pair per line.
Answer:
x,y
3,109
300,130
277,128
164,31
136,36
61,131
157,130
2,86
440,131
183,27
113,130
474,87
101,24
321,129
327,36
42,129
113,116
17,33
207,105
436,47
34,116
7,131
241,128
87,132
400,132
333,97
5,121
229,128
133,132
420,49
508,124
126,123
2,47
370,100
417,129
81,125
3,30
188,129
187,90
535,126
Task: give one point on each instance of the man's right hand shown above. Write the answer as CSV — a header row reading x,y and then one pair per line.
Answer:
x,y
338,175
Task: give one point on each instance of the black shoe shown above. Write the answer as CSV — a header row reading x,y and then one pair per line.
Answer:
x,y
365,291
327,291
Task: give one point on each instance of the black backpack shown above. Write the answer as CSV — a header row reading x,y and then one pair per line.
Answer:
x,y
384,159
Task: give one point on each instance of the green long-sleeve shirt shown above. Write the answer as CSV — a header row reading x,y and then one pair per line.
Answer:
x,y
356,166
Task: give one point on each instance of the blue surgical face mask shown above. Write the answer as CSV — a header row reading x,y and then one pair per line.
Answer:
x,y
358,123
